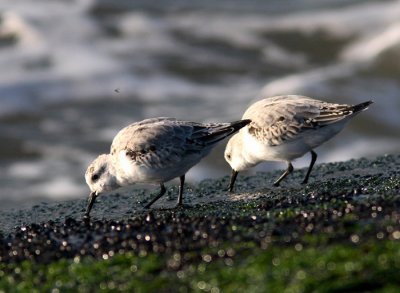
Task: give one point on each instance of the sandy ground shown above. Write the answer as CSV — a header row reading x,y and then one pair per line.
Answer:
x,y
125,204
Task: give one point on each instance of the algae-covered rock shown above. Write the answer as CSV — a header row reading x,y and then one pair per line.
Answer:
x,y
347,207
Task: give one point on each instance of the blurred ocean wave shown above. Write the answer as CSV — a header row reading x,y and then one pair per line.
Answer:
x,y
72,73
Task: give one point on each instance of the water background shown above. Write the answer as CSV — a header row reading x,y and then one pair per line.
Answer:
x,y
72,73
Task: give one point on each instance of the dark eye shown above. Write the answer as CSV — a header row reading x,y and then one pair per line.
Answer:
x,y
95,177
228,156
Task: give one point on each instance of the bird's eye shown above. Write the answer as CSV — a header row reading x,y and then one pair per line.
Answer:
x,y
95,177
228,156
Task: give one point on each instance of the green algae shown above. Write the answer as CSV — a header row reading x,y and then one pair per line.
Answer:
x,y
300,267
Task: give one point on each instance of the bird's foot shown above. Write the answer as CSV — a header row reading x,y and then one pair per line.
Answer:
x,y
182,206
86,218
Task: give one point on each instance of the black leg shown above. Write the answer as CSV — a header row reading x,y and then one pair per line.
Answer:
x,y
162,192
92,199
180,197
313,159
233,179
287,172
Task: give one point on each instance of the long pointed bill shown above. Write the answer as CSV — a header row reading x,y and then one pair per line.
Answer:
x,y
233,179
92,199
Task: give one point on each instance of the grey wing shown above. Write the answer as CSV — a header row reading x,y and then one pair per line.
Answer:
x,y
158,142
284,120
166,141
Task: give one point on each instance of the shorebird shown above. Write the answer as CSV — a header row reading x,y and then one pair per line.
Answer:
x,y
284,128
154,151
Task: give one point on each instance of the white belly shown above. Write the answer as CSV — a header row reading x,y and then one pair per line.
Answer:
x,y
129,173
256,152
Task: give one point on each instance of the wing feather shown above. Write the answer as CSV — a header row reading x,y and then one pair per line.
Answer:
x,y
166,141
285,118
159,142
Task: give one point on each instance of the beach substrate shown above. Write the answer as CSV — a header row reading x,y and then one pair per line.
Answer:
x,y
338,233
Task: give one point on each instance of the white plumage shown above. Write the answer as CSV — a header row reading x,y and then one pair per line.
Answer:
x,y
284,128
155,151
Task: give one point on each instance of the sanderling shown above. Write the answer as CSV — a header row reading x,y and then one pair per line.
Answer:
x,y
154,151
284,128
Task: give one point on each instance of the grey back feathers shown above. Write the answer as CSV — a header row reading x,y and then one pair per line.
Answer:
x,y
165,141
284,118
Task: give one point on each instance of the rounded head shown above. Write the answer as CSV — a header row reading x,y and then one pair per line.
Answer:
x,y
99,175
234,154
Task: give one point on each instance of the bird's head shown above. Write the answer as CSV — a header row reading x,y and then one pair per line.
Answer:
x,y
234,154
100,178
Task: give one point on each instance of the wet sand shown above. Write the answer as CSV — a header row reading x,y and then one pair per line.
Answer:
x,y
340,201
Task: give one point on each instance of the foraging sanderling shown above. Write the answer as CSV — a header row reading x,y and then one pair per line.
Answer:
x,y
155,151
284,128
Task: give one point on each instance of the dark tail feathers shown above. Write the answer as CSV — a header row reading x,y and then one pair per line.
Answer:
x,y
222,132
237,125
361,107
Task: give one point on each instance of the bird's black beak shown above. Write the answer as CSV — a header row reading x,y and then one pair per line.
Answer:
x,y
233,179
92,199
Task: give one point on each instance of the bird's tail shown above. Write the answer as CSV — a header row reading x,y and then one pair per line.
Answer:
x,y
361,107
218,132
